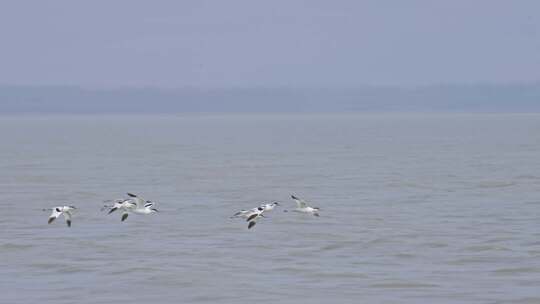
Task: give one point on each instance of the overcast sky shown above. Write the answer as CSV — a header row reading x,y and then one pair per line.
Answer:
x,y
268,43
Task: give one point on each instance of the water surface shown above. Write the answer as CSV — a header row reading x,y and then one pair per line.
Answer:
x,y
415,209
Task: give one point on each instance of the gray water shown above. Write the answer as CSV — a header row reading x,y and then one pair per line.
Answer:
x,y
415,209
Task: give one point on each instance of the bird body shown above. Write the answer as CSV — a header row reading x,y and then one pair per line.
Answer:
x,y
133,204
302,207
252,219
245,213
251,215
66,211
270,207
142,206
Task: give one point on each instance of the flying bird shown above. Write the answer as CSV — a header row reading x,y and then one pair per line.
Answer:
x,y
270,207
132,204
254,216
247,213
251,215
142,206
66,211
301,206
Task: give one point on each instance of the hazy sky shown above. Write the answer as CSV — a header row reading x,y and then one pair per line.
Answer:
x,y
268,43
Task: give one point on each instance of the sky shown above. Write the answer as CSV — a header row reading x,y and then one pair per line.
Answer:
x,y
278,43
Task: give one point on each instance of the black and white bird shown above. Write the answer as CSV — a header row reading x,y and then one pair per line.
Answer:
x,y
247,213
124,205
66,211
133,204
251,215
252,219
270,207
142,206
301,206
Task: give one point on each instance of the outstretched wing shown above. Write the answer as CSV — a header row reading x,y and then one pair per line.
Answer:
x,y
67,216
300,203
118,204
239,213
56,211
252,217
137,200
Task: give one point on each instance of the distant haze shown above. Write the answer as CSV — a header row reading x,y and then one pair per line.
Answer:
x,y
223,44
460,99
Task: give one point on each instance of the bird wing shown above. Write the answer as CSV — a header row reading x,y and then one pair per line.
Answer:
x,y
252,217
240,212
67,216
55,214
137,200
300,203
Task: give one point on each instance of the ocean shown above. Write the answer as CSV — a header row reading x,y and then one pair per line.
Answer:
x,y
415,208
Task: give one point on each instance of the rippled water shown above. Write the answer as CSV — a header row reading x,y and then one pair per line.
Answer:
x,y
415,209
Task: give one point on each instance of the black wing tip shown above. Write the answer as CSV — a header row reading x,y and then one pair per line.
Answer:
x,y
51,219
251,224
131,194
249,219
112,210
294,197
68,223
124,216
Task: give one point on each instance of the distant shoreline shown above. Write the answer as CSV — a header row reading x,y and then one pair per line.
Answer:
x,y
429,99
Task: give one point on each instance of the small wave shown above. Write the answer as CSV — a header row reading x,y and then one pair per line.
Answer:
x,y
482,248
517,270
405,255
535,300
15,247
331,247
409,184
134,269
528,177
471,260
342,275
495,184
403,285
434,245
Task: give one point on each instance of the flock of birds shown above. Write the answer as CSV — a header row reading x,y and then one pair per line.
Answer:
x,y
137,205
